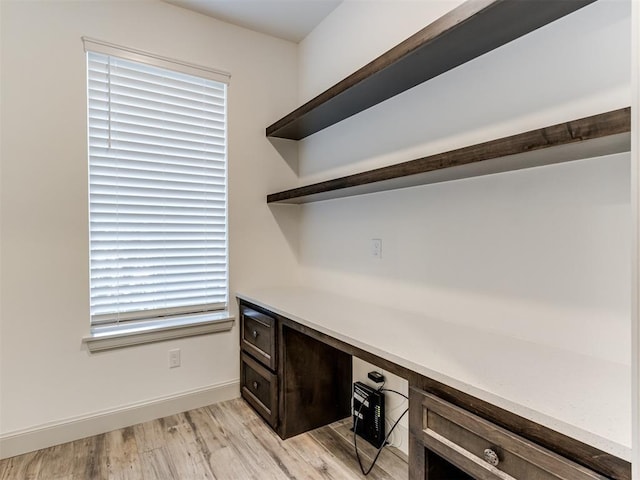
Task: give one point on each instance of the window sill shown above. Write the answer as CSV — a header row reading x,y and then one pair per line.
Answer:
x,y
106,337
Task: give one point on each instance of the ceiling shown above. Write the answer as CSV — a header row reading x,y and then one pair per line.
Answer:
x,y
288,19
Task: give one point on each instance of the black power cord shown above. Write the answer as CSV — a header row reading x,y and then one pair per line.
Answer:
x,y
384,443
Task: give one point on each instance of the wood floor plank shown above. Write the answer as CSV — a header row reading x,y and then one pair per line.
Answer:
x,y
342,449
61,462
220,449
320,458
123,461
260,454
81,451
286,460
57,462
96,466
390,462
165,448
154,434
226,441
254,435
184,452
22,466
156,464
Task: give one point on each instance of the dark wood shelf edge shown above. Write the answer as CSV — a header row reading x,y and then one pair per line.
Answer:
x,y
588,137
467,32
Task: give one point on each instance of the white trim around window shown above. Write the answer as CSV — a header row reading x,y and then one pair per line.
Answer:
x,y
100,46
157,134
107,337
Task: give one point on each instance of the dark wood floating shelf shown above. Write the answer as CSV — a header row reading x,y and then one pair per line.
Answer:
x,y
472,29
589,137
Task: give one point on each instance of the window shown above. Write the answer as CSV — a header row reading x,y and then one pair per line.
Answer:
x,y
157,191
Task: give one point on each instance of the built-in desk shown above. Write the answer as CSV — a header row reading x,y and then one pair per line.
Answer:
x,y
575,405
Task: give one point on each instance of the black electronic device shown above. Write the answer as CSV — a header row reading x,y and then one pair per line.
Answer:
x,y
376,376
368,414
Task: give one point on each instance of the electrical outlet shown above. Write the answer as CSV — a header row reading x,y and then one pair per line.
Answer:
x,y
174,358
376,248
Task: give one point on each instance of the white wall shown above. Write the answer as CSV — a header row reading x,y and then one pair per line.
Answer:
x,y
47,376
541,254
544,247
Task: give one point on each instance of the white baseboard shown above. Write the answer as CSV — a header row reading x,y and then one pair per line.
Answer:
x,y
55,433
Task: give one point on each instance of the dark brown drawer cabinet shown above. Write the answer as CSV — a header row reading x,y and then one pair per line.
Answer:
x,y
461,445
259,387
258,336
293,381
258,362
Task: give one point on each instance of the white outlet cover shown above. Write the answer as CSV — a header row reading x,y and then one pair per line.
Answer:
x,y
376,247
174,358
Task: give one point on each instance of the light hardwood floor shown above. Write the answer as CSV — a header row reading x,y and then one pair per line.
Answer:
x,y
226,441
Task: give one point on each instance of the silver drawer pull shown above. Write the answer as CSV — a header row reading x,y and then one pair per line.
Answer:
x,y
255,334
491,457
255,385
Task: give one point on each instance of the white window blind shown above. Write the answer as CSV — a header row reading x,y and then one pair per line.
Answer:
x,y
157,187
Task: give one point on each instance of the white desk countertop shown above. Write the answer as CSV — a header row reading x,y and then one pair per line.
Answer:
x,y
584,397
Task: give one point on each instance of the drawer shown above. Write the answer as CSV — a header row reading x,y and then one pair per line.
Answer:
x,y
258,336
259,387
489,452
